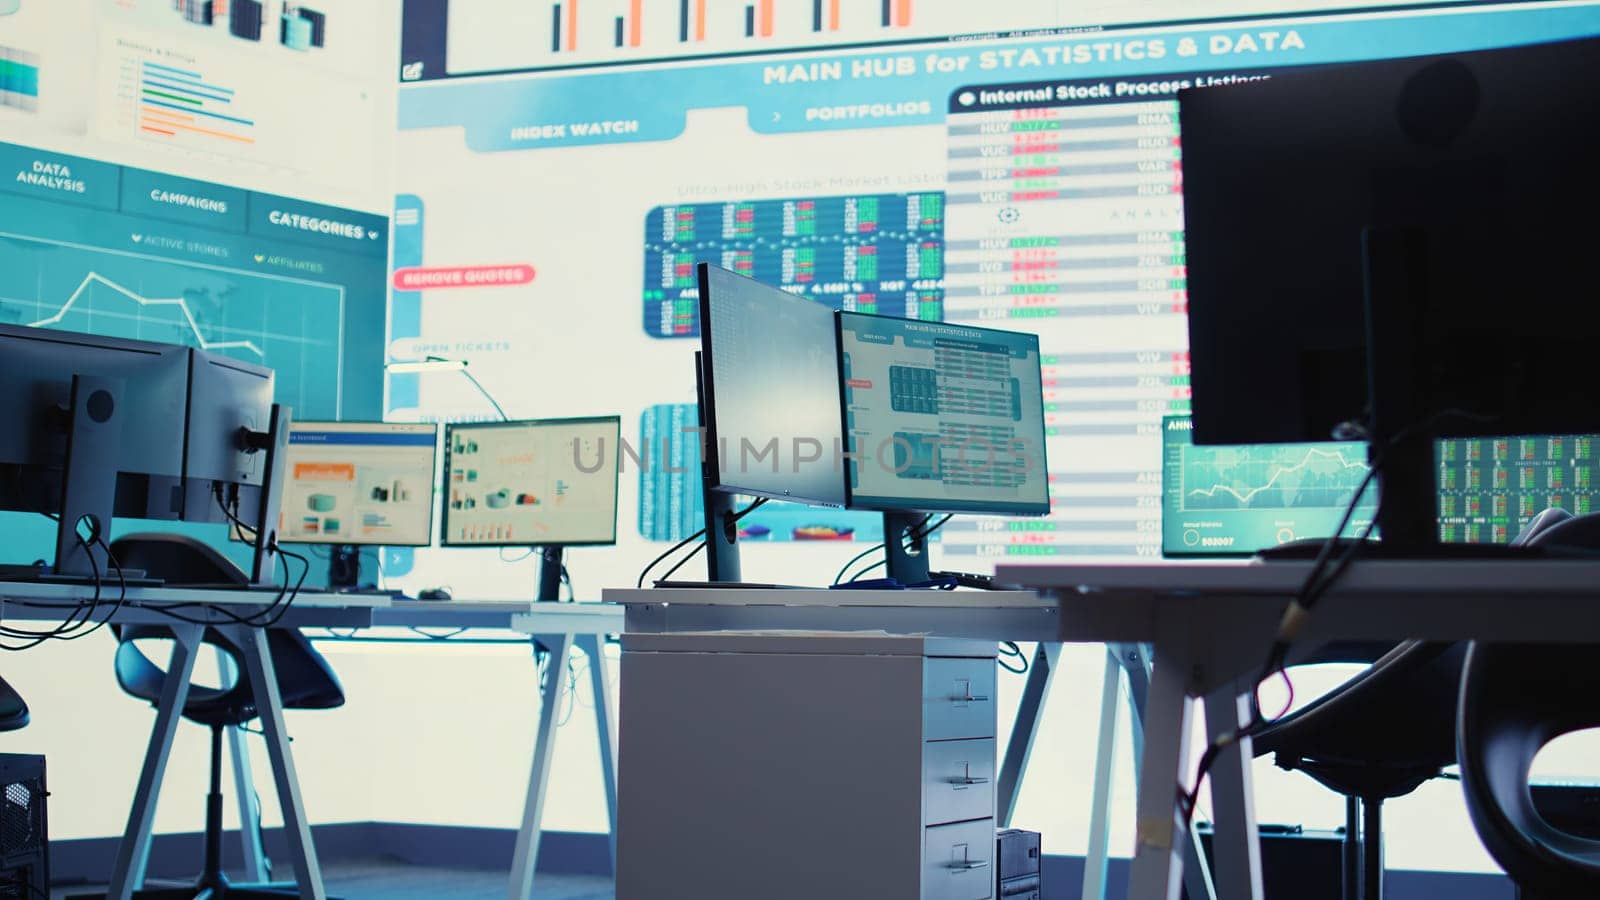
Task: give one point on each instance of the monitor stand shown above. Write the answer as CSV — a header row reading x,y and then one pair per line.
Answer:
x,y
907,565
550,566
344,568
1402,422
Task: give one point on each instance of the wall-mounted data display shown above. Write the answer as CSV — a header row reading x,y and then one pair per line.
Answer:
x,y
877,253
1053,156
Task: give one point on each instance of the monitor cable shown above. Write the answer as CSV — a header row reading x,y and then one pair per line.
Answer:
x,y
760,502
1326,570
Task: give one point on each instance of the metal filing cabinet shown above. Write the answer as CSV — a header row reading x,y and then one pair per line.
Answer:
x,y
800,766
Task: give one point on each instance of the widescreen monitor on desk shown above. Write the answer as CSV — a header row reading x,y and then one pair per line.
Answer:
x,y
360,483
543,483
939,418
1445,205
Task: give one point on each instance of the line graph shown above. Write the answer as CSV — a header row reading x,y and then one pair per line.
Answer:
x,y
293,325
1270,476
1244,497
188,315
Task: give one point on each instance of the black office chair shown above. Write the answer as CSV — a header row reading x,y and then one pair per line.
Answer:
x,y
1514,700
13,709
1380,735
305,681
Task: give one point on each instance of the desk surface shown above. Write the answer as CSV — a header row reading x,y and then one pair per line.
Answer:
x,y
986,615
1283,578
524,616
1230,612
44,602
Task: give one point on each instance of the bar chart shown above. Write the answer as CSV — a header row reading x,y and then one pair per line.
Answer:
x,y
181,105
214,105
502,35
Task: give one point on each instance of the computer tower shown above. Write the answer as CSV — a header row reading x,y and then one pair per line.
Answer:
x,y
1018,865
24,829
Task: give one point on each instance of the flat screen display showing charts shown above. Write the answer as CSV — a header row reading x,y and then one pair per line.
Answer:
x,y
359,483
942,417
550,482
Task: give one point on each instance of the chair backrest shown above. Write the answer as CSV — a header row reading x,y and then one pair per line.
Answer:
x,y
305,680
13,709
1515,699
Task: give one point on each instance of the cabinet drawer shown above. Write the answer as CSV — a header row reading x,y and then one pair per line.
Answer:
x,y
957,781
958,861
957,698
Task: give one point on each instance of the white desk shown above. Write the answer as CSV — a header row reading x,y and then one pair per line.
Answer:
x,y
557,627
45,602
1212,625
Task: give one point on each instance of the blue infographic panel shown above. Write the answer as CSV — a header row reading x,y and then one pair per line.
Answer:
x,y
874,253
87,246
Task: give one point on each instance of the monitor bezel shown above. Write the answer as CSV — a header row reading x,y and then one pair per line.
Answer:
x,y
450,429
433,484
711,441
917,504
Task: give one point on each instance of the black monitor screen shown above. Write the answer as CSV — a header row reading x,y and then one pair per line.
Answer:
x,y
943,418
36,370
772,395
1471,178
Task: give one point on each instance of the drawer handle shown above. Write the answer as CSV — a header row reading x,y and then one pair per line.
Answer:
x,y
969,699
968,781
969,865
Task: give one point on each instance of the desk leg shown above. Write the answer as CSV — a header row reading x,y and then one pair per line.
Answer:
x,y
269,705
244,787
593,646
1097,860
552,694
1238,851
1025,728
127,873
1158,855
1135,660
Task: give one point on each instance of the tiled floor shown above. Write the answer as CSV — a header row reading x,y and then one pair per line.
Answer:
x,y
389,880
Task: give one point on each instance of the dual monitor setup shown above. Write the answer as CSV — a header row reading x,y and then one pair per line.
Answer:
x,y
94,427
549,483
908,418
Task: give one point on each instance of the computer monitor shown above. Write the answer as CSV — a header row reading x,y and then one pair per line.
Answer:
x,y
99,426
771,391
1237,500
542,483
1446,196
1489,489
92,427
354,484
939,418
